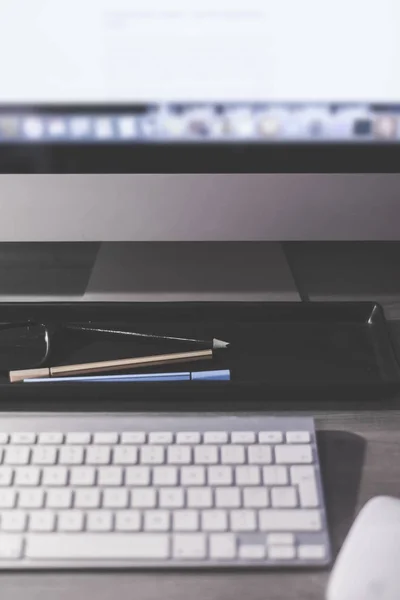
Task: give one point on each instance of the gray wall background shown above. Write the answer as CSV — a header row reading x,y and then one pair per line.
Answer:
x,y
266,271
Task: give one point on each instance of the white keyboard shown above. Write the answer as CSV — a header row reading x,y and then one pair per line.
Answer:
x,y
165,490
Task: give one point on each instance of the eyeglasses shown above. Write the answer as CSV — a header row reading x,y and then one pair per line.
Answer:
x,y
23,345
29,345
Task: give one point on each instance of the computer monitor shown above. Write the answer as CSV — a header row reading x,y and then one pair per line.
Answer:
x,y
233,85
219,89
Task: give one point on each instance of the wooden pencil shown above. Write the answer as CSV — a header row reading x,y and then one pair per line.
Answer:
x,y
111,365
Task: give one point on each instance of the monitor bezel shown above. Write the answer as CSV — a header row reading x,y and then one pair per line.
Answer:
x,y
194,157
199,158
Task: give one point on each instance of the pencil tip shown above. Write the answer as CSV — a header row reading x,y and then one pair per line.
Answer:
x,y
220,344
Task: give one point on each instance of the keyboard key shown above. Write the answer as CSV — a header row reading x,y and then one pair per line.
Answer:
x,y
252,551
171,498
185,520
4,437
270,437
71,455
298,437
293,454
199,497
27,476
189,546
23,438
219,475
97,546
165,476
193,476
106,437
227,497
99,520
188,437
308,494
6,476
44,455
243,437
232,455
137,476
179,455
275,475
215,437
290,520
128,520
281,552
58,498
51,438
143,498
205,455
42,520
79,437
284,497
70,520
261,455
156,520
133,437
82,476
255,497
17,455
13,520
54,476
161,437
305,478
280,539
222,546
87,498
301,474
311,551
214,520
98,455
31,498
7,498
152,455
109,476
247,475
125,455
115,498
243,520
10,547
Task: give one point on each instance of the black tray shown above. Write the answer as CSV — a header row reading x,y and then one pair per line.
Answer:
x,y
278,350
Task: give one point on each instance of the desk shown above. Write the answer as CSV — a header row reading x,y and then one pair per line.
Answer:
x,y
360,454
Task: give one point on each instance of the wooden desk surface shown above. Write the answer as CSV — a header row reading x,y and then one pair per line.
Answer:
x,y
359,453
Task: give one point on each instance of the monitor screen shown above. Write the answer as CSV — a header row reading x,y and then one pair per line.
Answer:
x,y
143,75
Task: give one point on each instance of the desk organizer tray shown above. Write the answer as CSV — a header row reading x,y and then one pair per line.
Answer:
x,y
297,350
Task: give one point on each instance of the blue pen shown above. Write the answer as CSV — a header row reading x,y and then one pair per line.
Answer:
x,y
221,375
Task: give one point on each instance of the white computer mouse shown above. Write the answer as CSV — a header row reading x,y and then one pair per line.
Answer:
x,y
368,565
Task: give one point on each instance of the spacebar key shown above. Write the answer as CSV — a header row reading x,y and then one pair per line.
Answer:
x,y
97,547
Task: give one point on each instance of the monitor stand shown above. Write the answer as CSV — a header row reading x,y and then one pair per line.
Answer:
x,y
196,271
